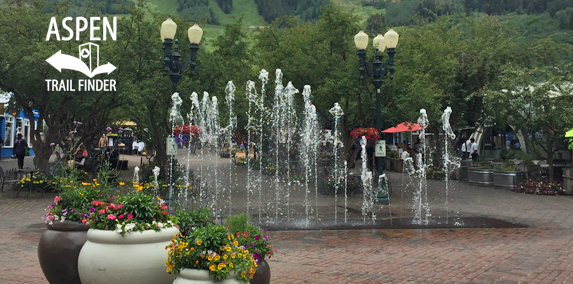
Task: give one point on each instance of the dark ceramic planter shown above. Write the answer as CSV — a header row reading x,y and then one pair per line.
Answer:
x,y
263,273
59,249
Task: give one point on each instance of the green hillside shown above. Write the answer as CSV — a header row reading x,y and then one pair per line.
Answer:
x,y
357,8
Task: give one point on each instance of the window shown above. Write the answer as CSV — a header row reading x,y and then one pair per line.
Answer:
x,y
9,134
26,131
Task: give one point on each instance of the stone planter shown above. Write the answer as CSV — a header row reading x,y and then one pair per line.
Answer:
x,y
567,180
480,176
508,179
59,249
135,258
262,274
195,276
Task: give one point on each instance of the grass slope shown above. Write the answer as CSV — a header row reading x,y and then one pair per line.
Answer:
x,y
251,18
357,9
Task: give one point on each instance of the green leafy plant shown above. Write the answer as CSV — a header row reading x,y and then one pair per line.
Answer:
x,y
187,220
504,168
211,248
251,236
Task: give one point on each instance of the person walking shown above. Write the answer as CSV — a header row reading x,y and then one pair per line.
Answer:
x,y
19,150
102,141
474,150
466,149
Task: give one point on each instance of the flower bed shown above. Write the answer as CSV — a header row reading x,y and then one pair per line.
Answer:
x,y
539,187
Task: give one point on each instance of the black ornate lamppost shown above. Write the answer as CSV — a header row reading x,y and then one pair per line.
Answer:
x,y
173,67
389,42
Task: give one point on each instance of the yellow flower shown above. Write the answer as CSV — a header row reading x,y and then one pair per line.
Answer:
x,y
233,255
228,248
140,188
121,183
221,266
225,257
81,194
199,242
217,257
210,257
230,264
235,243
212,267
243,274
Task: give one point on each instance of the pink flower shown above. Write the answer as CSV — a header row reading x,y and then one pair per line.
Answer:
x,y
111,217
51,217
129,216
101,211
119,206
57,198
120,216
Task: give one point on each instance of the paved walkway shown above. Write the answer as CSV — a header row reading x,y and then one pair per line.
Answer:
x,y
540,253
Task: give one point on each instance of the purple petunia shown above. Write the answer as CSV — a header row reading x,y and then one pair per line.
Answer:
x,y
257,238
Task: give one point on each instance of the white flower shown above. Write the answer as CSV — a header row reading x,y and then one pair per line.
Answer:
x,y
63,219
51,223
56,217
129,227
160,225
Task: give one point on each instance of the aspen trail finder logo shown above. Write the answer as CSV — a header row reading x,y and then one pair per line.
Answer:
x,y
88,61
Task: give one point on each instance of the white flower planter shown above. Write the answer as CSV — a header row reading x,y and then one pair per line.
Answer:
x,y
195,276
135,258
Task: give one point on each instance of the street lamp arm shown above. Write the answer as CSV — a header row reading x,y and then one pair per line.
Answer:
x,y
364,66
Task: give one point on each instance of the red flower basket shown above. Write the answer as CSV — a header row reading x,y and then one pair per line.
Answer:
x,y
370,133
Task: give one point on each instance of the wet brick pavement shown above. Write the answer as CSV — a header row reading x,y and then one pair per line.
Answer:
x,y
540,253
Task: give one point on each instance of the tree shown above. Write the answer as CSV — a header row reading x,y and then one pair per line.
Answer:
x,y
543,111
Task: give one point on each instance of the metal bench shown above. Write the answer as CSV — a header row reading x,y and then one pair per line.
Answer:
x,y
9,177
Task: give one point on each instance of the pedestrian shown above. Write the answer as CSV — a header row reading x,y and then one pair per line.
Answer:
x,y
466,149
102,141
2,143
474,150
80,157
19,150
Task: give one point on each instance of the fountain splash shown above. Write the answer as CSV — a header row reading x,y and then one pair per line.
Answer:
x,y
230,98
337,113
309,149
421,196
288,119
366,177
156,184
264,77
175,117
450,162
252,96
277,123
136,175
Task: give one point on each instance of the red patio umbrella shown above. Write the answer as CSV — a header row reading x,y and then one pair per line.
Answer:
x,y
403,127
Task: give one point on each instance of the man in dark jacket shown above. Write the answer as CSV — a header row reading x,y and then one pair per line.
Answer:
x,y
20,146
